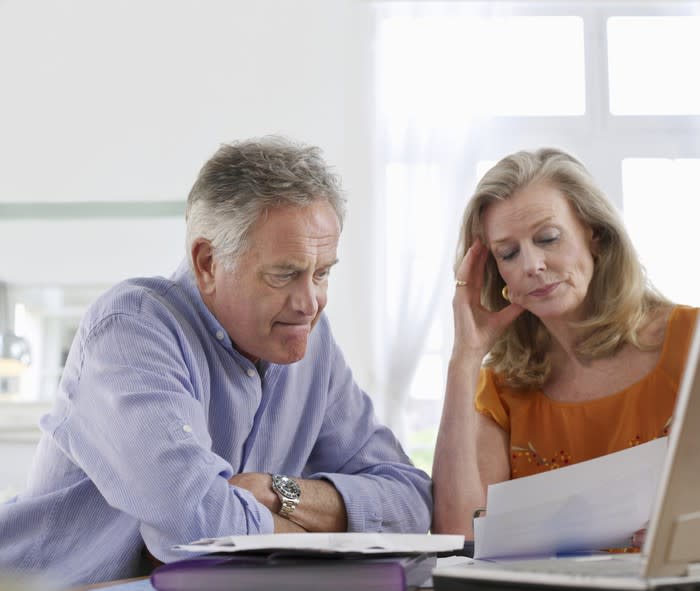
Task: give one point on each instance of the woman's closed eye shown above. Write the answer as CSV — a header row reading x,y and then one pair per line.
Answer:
x,y
548,239
508,254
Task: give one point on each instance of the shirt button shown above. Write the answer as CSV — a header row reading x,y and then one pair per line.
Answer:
x,y
219,334
187,428
251,372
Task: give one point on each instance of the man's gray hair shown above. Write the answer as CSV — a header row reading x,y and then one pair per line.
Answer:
x,y
244,179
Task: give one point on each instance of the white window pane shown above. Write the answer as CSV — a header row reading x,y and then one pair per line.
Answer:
x,y
660,198
653,65
444,67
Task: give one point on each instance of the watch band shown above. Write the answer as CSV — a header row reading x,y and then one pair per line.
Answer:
x,y
289,493
288,506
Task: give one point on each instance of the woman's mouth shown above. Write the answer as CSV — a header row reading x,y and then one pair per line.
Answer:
x,y
544,291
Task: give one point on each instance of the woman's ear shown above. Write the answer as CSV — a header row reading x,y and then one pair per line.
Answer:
x,y
204,265
594,243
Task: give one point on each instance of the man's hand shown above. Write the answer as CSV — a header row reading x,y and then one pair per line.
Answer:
x,y
321,508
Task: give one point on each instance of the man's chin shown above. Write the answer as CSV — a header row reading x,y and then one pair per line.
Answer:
x,y
291,357
289,352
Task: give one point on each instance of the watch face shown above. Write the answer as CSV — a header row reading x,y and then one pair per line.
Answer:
x,y
288,487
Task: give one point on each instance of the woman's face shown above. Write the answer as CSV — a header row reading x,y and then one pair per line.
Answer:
x,y
543,251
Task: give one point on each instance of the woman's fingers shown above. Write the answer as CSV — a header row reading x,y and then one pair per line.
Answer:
x,y
470,273
638,538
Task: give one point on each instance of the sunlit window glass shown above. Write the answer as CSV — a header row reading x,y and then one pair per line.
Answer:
x,y
440,66
660,199
653,64
425,406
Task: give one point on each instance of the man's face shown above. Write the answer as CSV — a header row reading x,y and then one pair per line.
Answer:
x,y
272,298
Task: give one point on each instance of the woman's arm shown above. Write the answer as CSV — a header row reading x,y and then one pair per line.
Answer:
x,y
471,453
471,450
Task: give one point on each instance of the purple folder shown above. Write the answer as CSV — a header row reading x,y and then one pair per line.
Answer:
x,y
294,571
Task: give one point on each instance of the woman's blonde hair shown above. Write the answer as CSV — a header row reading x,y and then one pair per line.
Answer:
x,y
619,297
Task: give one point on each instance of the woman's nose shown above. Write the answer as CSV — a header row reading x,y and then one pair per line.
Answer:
x,y
533,260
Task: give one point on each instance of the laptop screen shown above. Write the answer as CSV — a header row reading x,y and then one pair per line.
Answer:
x,y
673,536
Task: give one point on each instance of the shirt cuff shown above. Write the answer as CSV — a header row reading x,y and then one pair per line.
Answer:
x,y
362,503
259,518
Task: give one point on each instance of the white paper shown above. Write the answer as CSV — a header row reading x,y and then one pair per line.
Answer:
x,y
363,543
595,504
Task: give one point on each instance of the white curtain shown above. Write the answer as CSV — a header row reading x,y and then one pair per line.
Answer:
x,y
425,129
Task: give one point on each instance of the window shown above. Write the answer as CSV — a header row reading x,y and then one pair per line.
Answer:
x,y
47,317
47,290
646,56
460,85
656,191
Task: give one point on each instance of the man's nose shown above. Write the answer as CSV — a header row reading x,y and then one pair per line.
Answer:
x,y
304,298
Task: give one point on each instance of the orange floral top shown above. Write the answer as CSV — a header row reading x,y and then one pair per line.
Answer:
x,y
546,434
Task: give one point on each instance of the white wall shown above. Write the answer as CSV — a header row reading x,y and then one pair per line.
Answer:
x,y
123,101
104,100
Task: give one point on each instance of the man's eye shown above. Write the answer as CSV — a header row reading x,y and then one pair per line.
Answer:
x,y
322,275
280,278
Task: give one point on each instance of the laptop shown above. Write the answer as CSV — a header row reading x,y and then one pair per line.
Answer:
x,y
670,557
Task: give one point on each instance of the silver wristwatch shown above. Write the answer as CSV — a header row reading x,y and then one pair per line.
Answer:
x,y
289,492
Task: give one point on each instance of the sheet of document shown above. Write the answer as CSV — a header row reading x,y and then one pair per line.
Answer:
x,y
587,506
363,543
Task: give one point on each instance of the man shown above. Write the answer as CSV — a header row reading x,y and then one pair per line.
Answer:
x,y
215,402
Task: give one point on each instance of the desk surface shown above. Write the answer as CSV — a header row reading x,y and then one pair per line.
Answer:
x,y
110,584
125,581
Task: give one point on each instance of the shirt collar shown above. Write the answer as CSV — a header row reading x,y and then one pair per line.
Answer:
x,y
184,278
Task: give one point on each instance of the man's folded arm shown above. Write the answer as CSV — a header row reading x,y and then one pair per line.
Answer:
x,y
321,508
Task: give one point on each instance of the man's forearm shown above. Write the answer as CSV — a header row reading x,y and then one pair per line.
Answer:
x,y
321,508
284,526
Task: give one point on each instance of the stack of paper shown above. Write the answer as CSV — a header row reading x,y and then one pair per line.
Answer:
x,y
362,543
591,505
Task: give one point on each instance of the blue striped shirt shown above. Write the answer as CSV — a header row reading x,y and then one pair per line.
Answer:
x,y
156,410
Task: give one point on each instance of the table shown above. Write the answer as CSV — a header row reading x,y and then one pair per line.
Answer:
x,y
126,582
110,584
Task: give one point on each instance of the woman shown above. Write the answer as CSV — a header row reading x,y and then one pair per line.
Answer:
x,y
562,351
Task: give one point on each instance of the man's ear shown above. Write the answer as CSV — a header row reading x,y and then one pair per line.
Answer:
x,y
204,265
